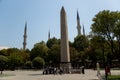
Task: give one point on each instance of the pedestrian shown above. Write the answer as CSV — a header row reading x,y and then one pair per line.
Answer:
x,y
98,68
55,70
83,70
61,70
107,70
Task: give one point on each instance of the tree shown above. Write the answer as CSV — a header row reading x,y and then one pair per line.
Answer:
x,y
16,57
106,24
3,61
28,64
15,60
12,50
38,62
3,52
74,55
54,55
25,55
99,51
80,43
40,49
51,42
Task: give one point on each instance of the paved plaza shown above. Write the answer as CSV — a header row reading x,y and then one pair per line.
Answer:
x,y
37,75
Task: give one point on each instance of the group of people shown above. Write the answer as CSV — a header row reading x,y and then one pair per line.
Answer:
x,y
52,70
56,70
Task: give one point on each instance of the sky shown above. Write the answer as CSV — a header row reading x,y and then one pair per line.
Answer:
x,y
44,15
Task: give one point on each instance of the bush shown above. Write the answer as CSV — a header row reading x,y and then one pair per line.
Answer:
x,y
28,64
38,62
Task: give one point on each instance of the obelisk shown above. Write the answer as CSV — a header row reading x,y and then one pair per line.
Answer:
x,y
65,55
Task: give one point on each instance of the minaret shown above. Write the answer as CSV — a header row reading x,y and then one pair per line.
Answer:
x,y
78,24
65,55
83,30
49,35
25,37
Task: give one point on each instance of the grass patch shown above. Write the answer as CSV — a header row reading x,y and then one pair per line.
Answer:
x,y
6,75
114,77
3,75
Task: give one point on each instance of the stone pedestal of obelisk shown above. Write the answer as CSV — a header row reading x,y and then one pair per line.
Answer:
x,y
65,55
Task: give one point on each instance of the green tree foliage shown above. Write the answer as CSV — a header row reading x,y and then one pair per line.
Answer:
x,y
97,50
28,64
3,61
80,43
15,60
25,55
54,54
3,52
12,50
51,42
40,49
107,24
38,62
74,55
16,57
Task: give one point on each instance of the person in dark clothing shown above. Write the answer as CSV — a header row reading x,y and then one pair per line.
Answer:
x,y
61,70
83,70
107,71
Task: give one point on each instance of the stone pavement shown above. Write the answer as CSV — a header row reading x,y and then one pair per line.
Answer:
x,y
37,75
